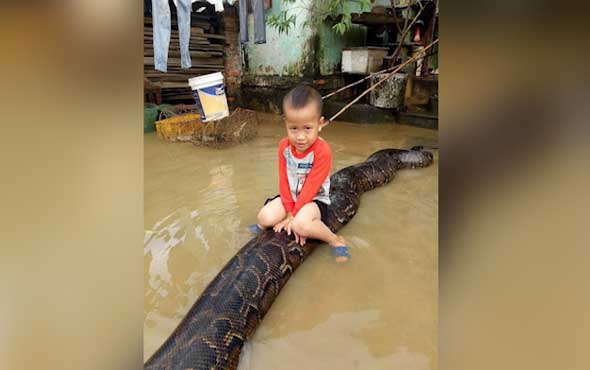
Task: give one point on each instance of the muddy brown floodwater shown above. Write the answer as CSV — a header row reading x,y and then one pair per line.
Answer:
x,y
379,311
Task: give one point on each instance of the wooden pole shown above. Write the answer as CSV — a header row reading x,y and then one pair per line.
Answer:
x,y
430,37
357,82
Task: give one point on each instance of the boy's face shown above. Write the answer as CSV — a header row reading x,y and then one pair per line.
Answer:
x,y
303,126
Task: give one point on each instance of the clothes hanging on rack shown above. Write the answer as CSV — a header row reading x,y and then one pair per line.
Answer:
x,y
218,4
259,22
162,30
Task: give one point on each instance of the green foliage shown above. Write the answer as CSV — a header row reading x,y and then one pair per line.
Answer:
x,y
344,24
319,11
281,22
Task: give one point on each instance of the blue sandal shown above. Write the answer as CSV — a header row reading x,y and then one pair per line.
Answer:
x,y
254,229
341,251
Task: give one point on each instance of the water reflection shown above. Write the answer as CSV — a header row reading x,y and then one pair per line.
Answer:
x,y
344,349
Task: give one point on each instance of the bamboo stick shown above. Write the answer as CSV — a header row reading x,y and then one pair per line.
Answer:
x,y
357,82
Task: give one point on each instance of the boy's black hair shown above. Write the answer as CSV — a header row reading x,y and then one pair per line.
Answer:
x,y
301,95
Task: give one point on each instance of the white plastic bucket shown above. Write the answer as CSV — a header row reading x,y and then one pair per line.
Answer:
x,y
209,93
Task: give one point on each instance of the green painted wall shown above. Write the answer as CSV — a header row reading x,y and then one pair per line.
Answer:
x,y
285,54
329,51
302,51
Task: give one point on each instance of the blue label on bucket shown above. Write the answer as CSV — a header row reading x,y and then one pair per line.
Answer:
x,y
213,90
198,101
211,102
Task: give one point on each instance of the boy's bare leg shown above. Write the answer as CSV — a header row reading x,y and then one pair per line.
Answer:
x,y
308,224
271,214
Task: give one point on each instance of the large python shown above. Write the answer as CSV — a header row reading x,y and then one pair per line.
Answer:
x,y
212,333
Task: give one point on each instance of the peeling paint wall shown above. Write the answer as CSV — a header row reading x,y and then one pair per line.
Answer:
x,y
302,52
386,3
329,50
285,54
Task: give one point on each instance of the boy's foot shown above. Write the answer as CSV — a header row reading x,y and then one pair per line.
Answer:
x,y
340,250
254,229
340,253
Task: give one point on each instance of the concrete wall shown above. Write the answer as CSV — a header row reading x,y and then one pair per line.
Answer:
x,y
302,52
330,44
283,55
232,59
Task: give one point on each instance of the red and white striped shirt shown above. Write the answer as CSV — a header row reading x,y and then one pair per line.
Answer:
x,y
304,177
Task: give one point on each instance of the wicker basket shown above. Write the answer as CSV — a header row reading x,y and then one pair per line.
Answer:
x,y
240,126
179,128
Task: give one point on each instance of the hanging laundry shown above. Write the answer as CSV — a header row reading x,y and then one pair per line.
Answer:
x,y
218,4
161,29
259,22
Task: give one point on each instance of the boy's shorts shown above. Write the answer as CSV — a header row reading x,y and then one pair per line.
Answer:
x,y
322,206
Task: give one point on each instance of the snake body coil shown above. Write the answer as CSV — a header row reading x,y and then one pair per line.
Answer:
x,y
213,332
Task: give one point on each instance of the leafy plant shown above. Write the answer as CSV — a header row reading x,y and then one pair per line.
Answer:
x,y
281,22
319,11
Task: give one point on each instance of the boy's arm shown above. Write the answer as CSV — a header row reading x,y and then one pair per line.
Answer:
x,y
316,177
284,189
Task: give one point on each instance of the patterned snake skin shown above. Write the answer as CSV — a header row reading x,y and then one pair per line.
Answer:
x,y
213,332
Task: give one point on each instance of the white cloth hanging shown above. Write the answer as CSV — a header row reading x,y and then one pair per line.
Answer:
x,y
218,4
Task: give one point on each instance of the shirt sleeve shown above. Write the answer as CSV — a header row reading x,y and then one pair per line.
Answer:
x,y
320,170
284,189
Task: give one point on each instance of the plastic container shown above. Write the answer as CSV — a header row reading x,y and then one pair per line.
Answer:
x,y
434,104
150,115
390,94
363,60
209,93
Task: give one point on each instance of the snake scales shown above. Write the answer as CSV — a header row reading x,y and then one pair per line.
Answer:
x,y
212,333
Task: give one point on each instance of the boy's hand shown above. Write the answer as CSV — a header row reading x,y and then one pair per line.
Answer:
x,y
285,224
299,239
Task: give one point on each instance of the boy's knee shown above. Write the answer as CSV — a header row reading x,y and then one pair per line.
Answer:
x,y
265,218
301,227
262,217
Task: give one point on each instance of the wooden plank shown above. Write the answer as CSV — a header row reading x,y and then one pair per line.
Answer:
x,y
214,36
194,55
371,19
200,32
195,17
167,85
190,73
195,36
205,47
195,61
200,23
174,36
194,30
176,61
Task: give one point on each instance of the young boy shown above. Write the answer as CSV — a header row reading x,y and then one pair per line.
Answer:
x,y
304,175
